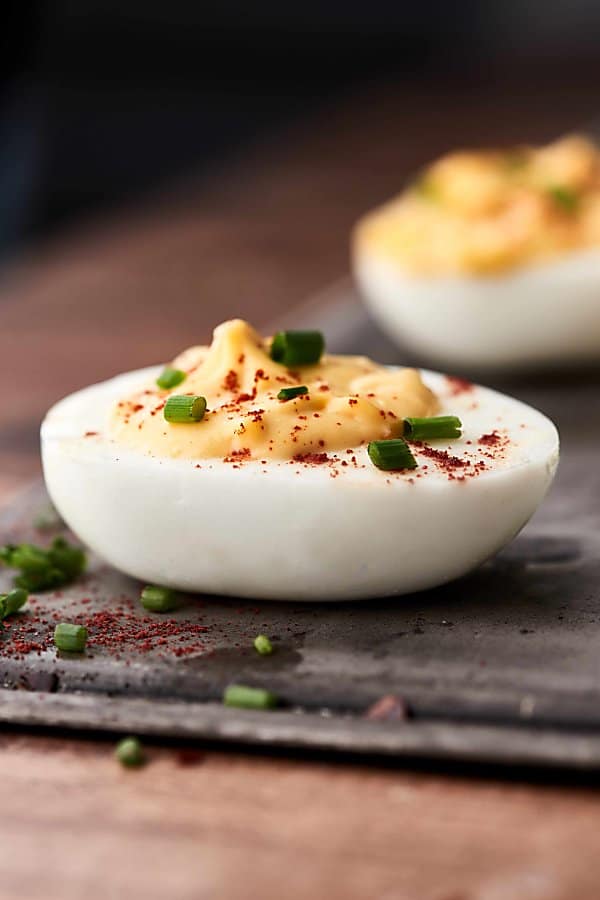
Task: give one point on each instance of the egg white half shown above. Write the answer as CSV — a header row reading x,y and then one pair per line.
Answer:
x,y
290,531
548,313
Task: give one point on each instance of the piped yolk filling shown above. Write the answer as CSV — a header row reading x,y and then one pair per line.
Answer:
x,y
350,401
484,211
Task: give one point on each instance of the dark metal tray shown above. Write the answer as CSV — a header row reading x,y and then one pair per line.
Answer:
x,y
500,667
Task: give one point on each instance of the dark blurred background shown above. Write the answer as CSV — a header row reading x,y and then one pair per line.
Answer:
x,y
102,101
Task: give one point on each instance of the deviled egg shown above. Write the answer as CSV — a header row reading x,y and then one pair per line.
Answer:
x,y
268,469
490,259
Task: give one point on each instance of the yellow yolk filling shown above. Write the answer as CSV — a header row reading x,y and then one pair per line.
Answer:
x,y
350,401
482,212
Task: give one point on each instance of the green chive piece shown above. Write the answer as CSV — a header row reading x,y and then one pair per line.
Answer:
x,y
515,160
183,409
130,752
41,569
158,599
170,378
565,198
68,559
426,189
15,599
244,697
69,637
263,645
290,393
47,519
297,348
12,602
432,428
26,557
391,455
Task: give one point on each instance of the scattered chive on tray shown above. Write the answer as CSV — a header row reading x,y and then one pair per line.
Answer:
x,y
41,569
263,645
158,599
70,638
12,602
243,697
47,518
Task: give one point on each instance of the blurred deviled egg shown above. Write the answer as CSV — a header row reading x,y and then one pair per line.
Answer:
x,y
268,469
490,259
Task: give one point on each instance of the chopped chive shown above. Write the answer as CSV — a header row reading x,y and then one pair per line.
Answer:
x,y
70,560
170,378
565,198
431,428
12,602
297,348
426,189
391,455
248,698
130,752
183,409
291,392
263,645
158,599
514,160
15,599
27,557
69,637
43,569
47,518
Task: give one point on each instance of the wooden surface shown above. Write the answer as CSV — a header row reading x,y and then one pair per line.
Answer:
x,y
254,240
76,826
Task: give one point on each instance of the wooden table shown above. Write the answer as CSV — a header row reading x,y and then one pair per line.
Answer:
x,y
254,240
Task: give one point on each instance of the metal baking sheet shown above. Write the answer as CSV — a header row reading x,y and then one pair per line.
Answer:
x,y
500,667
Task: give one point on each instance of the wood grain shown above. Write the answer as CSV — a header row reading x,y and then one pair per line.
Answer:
x,y
254,240
75,825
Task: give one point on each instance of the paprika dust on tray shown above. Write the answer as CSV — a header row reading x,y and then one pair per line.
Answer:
x,y
267,468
